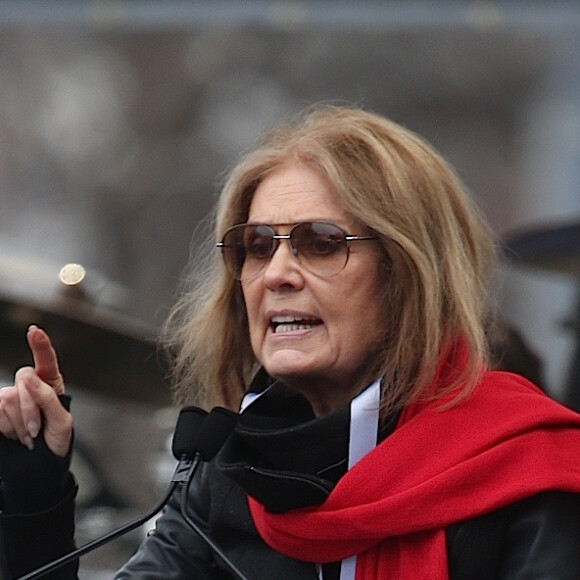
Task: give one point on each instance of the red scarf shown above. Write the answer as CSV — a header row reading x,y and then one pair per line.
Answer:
x,y
506,442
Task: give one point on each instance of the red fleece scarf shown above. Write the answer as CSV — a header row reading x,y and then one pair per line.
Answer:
x,y
506,442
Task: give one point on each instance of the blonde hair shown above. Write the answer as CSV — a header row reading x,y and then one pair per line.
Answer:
x,y
437,251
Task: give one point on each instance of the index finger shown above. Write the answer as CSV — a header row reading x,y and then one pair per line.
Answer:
x,y
45,359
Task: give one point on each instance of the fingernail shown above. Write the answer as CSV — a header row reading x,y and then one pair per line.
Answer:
x,y
33,429
29,442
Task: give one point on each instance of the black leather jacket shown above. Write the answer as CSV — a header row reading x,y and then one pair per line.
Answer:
x,y
538,538
535,539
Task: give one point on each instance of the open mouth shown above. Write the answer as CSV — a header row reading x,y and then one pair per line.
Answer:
x,y
280,324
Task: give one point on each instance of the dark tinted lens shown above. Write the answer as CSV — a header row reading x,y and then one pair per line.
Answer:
x,y
233,250
321,247
258,242
246,248
318,239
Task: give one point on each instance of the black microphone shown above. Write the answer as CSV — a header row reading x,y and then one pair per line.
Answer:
x,y
220,423
191,445
184,444
189,424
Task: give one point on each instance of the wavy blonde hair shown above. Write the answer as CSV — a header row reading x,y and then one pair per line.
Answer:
x,y
437,249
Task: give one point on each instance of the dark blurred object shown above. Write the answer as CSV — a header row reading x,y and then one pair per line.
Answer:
x,y
553,248
99,347
510,352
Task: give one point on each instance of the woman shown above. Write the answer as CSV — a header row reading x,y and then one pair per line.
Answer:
x,y
345,315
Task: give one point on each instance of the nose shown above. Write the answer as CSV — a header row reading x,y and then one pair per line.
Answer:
x,y
283,269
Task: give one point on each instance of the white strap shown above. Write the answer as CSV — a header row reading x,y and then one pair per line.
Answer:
x,y
364,424
348,568
251,397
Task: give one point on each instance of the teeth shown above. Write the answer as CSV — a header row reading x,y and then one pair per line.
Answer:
x,y
283,319
290,327
290,323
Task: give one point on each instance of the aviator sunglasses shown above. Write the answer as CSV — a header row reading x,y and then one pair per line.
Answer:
x,y
321,247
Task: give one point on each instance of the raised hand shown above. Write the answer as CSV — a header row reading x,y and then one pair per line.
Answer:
x,y
32,404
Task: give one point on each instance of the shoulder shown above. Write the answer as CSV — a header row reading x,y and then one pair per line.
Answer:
x,y
537,537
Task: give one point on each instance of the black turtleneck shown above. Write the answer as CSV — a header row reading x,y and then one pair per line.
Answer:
x,y
285,457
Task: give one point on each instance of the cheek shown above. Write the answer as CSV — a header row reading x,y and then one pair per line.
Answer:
x,y
364,313
362,323
251,301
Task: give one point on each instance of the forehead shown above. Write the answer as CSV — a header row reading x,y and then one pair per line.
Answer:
x,y
295,193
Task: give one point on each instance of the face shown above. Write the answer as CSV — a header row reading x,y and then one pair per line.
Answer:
x,y
310,331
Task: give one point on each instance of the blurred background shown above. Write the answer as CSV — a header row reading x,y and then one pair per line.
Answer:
x,y
118,118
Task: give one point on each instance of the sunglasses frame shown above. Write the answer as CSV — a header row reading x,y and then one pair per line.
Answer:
x,y
347,239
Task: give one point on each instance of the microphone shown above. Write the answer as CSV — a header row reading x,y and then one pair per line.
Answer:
x,y
198,437
220,422
183,445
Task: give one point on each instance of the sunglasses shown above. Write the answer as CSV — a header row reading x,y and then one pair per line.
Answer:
x,y
321,247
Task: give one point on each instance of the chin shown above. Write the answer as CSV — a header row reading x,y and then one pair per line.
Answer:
x,y
293,359
287,374
303,379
